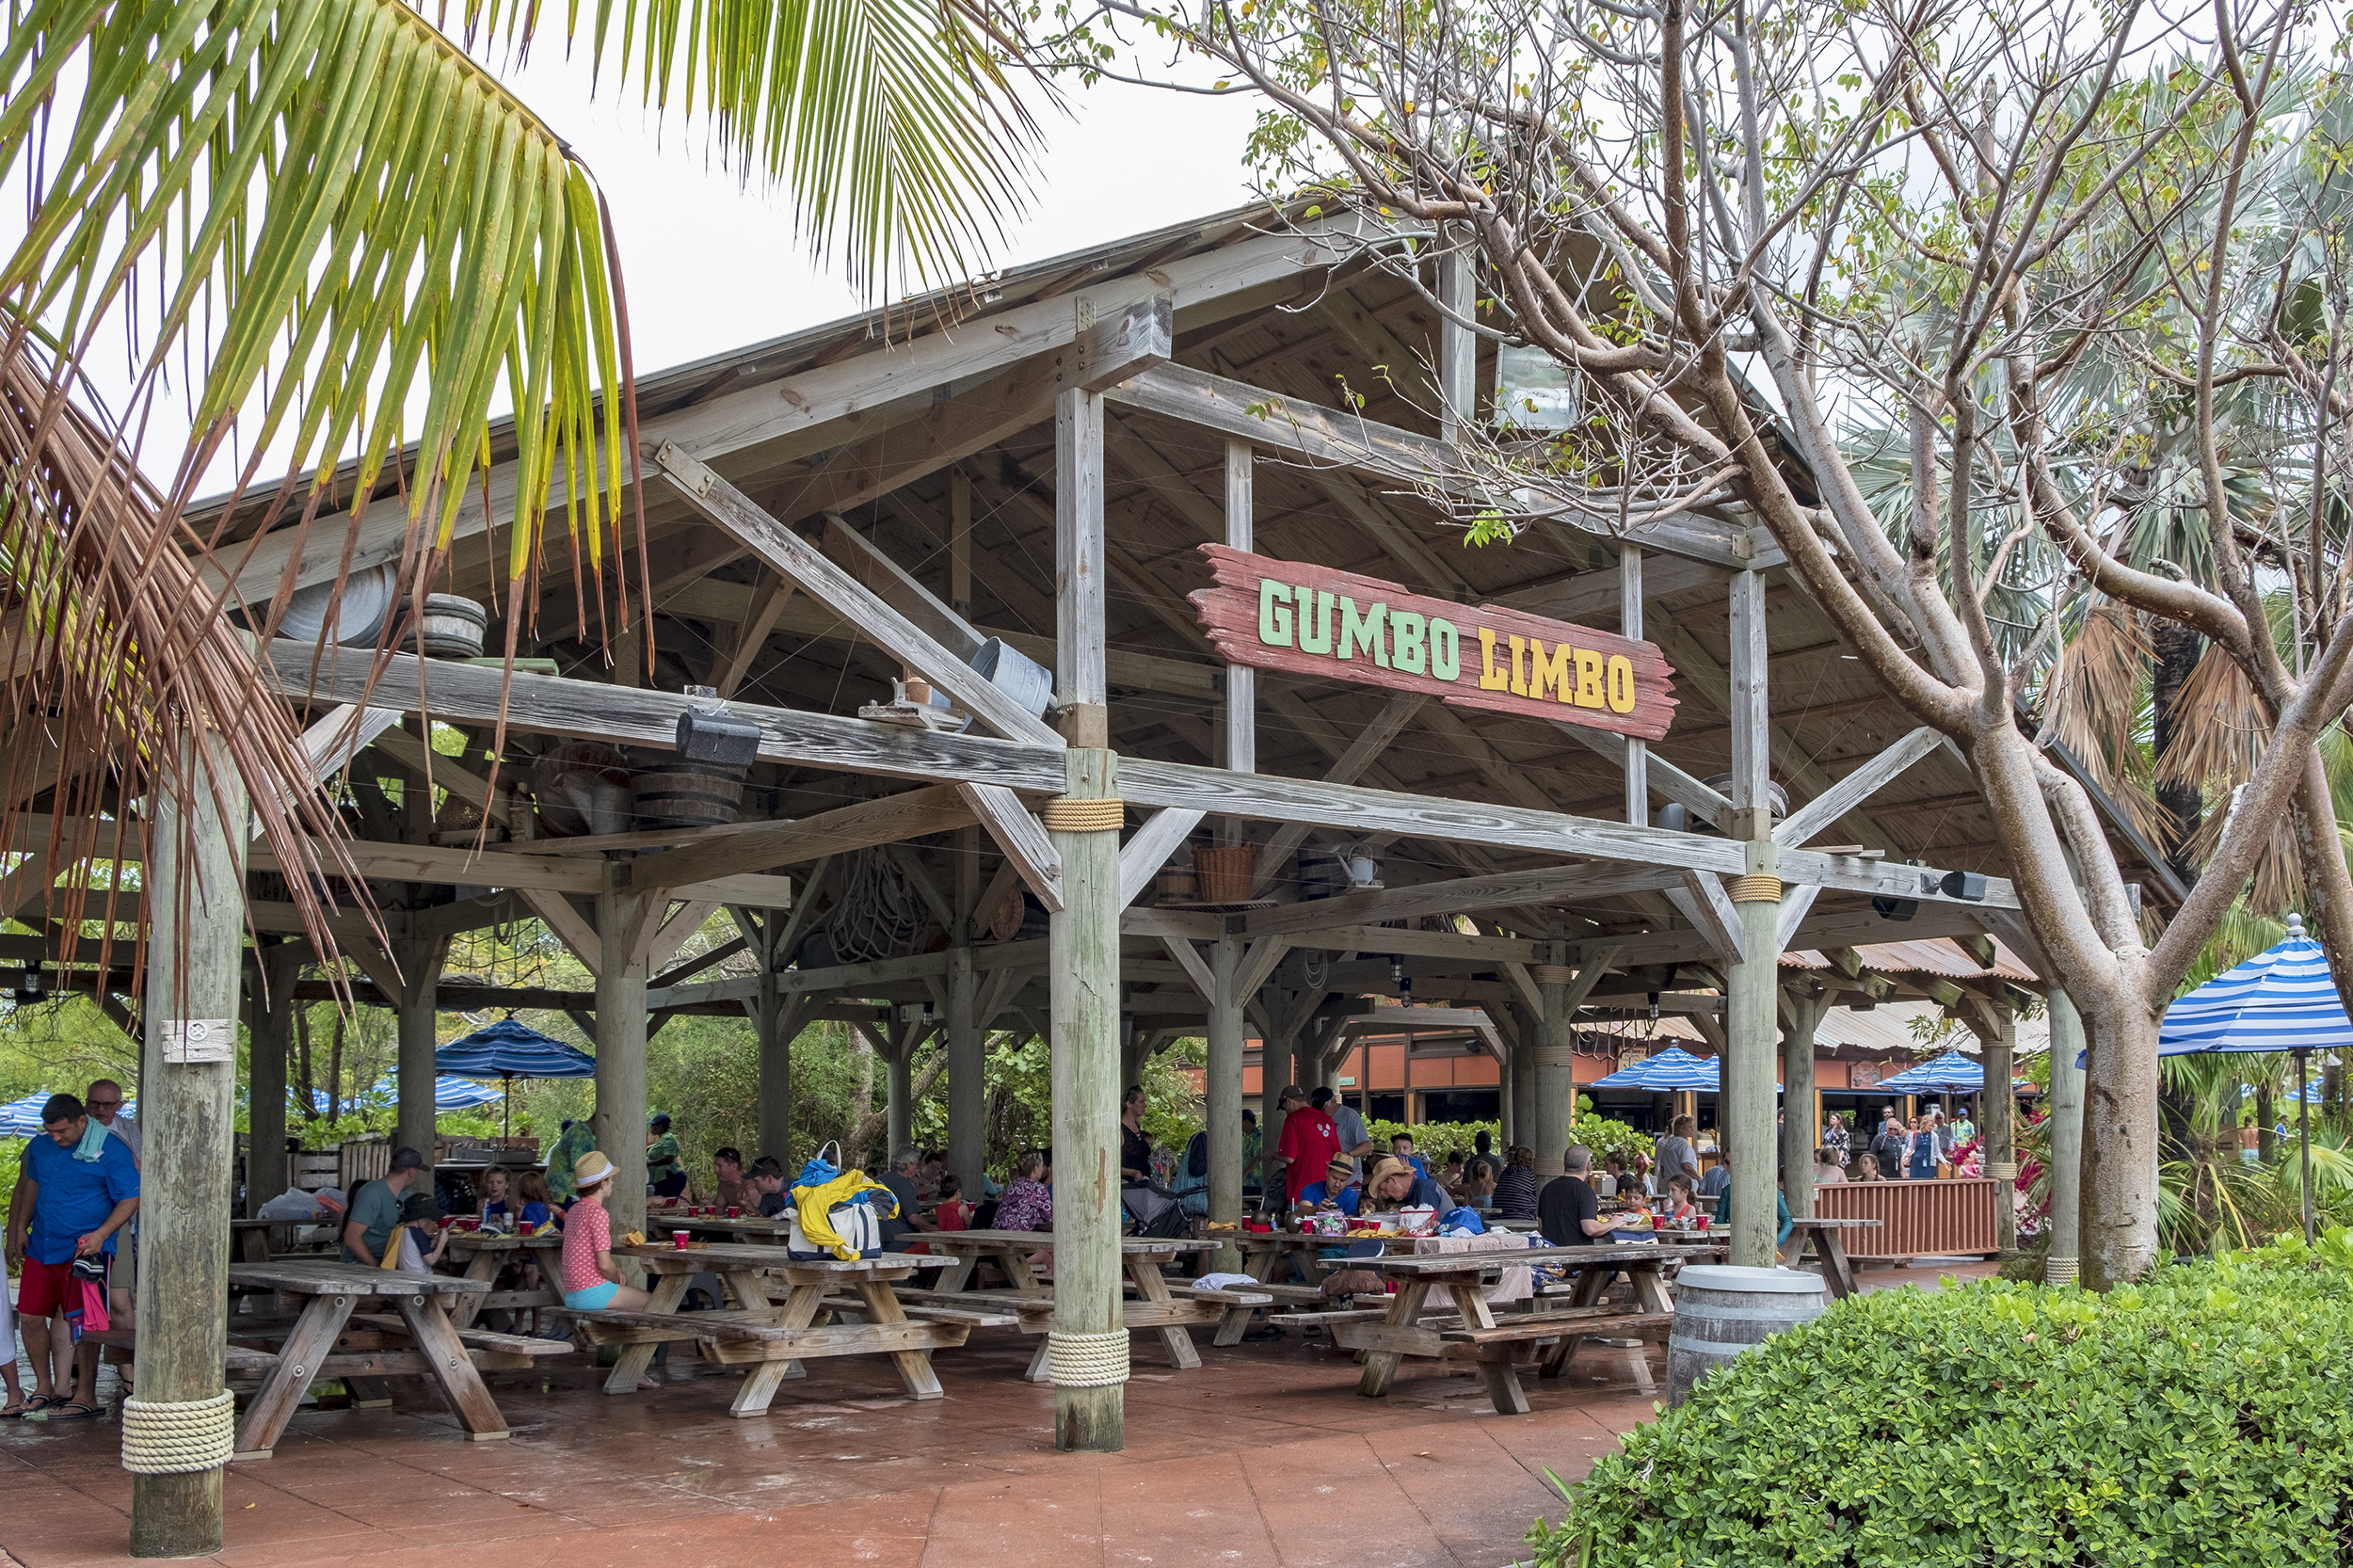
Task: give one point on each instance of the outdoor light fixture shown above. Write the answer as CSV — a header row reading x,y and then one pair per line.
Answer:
x,y
30,989
1968,885
707,734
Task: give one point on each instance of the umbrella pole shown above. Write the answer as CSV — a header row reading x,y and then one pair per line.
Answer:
x,y
507,1119
2304,1138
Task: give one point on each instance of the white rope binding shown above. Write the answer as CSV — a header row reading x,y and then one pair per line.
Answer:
x,y
160,1438
2058,1270
1087,1360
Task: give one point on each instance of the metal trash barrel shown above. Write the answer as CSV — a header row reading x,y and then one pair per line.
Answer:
x,y
1721,1311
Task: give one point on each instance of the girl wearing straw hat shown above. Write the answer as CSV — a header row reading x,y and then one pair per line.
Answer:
x,y
591,1280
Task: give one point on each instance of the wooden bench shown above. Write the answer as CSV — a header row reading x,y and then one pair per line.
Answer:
x,y
490,1350
1501,1342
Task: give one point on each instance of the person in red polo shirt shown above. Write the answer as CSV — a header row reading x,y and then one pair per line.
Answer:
x,y
1309,1142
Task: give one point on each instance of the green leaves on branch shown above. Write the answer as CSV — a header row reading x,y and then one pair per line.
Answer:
x,y
342,216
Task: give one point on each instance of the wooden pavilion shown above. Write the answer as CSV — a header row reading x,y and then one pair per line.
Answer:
x,y
1036,461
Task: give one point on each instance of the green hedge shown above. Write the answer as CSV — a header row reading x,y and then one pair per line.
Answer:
x,y
2204,1416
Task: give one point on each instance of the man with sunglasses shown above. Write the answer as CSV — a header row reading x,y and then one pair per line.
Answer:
x,y
74,1194
105,1103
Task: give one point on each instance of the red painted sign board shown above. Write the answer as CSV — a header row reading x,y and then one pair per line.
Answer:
x,y
1314,622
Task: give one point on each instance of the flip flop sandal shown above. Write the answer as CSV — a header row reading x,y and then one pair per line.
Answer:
x,y
14,1413
37,1403
75,1411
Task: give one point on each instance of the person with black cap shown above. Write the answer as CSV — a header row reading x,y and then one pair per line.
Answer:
x,y
422,1234
665,1168
375,1210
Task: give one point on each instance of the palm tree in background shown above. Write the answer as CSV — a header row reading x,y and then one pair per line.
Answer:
x,y
343,236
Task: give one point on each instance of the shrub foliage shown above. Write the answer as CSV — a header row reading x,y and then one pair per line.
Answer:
x,y
2204,1416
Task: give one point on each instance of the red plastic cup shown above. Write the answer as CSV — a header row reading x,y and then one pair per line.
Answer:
x,y
735,1213
678,1241
1658,1222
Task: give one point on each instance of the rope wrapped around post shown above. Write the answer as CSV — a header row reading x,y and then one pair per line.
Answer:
x,y
2002,1170
1087,1360
1065,814
2058,1270
1755,888
161,1438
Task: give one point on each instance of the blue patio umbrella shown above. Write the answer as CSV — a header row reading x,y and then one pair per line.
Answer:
x,y
1671,1069
2282,1000
1949,1074
507,1051
22,1118
449,1093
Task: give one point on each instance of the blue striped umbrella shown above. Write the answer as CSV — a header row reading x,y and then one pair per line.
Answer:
x,y
2282,1000
1671,1069
22,1118
510,1049
507,1051
1949,1074
449,1093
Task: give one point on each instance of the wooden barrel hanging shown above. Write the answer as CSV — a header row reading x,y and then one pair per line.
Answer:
x,y
674,792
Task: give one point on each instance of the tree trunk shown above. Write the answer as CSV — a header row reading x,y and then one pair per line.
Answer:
x,y
2178,649
2119,1159
2266,1113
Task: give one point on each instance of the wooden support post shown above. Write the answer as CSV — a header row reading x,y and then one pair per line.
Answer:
x,y
1745,1118
271,1008
1997,1115
1089,1346
1523,1127
1458,345
899,1078
968,1066
188,1106
620,1114
2067,1139
960,559
1630,625
1556,1061
1796,1097
1085,943
1224,1109
772,1040
420,961
1241,691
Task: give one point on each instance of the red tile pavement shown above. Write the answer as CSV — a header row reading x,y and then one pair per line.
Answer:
x,y
1265,1457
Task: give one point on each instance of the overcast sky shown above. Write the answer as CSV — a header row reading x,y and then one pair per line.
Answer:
x,y
711,265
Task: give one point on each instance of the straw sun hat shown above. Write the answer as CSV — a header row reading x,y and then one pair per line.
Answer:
x,y
591,1168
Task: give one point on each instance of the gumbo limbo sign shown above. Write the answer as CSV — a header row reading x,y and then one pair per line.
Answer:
x,y
1312,621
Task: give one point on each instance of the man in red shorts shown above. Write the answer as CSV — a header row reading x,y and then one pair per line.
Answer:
x,y
74,1193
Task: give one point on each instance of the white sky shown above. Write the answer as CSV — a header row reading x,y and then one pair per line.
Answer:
x,y
711,267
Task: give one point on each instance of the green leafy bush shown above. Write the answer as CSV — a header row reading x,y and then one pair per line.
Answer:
x,y
1434,1141
2202,1417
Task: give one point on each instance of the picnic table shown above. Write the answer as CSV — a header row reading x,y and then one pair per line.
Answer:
x,y
257,1240
1472,1329
773,1341
416,1338
1825,1240
486,1253
1155,1307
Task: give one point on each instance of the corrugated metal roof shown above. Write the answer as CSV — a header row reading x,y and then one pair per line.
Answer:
x,y
1938,956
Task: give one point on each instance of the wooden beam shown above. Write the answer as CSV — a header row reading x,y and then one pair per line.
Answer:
x,y
768,599
1021,836
1702,900
1502,890
554,705
1824,810
1797,902
1148,849
766,412
1369,743
1188,959
1660,776
451,866
661,941
791,556
448,773
569,927
910,814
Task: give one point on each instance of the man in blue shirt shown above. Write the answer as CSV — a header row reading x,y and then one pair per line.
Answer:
x,y
1339,1187
79,1187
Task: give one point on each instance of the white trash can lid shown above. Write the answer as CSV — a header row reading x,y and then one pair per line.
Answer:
x,y
1723,1276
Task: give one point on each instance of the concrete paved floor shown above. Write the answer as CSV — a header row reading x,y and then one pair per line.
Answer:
x,y
1265,1457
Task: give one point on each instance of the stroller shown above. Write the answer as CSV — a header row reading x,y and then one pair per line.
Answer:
x,y
1154,1213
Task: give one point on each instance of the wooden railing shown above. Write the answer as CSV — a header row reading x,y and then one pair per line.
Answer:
x,y
1917,1219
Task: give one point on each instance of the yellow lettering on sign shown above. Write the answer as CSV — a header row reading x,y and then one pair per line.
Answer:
x,y
1621,683
1550,674
1519,670
1490,678
1589,662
